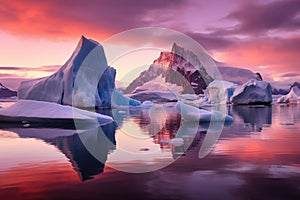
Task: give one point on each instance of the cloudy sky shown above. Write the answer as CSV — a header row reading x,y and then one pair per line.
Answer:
x,y
261,35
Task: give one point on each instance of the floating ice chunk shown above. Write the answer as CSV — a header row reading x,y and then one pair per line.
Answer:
x,y
191,113
253,92
292,97
118,99
147,104
38,111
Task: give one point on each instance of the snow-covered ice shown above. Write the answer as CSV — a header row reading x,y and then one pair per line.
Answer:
x,y
155,92
292,97
30,110
252,92
155,96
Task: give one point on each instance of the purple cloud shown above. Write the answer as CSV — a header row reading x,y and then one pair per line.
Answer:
x,y
212,41
257,18
287,75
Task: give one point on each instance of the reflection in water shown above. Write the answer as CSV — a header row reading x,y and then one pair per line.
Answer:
x,y
288,114
70,143
256,116
87,149
163,123
242,165
86,165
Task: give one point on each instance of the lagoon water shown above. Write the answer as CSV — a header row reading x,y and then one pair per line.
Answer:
x,y
255,157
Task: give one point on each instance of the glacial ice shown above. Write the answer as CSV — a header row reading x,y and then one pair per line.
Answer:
x,y
155,92
292,97
220,91
252,92
85,80
118,99
38,111
155,96
6,92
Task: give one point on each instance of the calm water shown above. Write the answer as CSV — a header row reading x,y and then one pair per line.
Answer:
x,y
256,157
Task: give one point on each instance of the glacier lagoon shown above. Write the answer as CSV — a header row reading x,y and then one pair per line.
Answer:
x,y
255,157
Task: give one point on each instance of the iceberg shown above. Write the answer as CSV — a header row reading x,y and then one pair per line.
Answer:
x,y
191,113
155,96
85,80
252,92
6,93
292,97
154,92
220,91
118,99
31,111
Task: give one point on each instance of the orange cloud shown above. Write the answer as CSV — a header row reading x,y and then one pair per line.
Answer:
x,y
96,18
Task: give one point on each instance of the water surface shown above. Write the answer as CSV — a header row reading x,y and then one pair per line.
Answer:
x,y
256,157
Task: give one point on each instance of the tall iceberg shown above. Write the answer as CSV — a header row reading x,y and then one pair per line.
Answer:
x,y
85,80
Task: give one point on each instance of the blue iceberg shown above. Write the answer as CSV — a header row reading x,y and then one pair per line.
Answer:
x,y
85,80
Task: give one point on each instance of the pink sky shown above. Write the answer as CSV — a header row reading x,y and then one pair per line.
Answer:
x,y
259,35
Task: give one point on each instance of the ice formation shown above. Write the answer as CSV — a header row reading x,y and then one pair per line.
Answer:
x,y
292,97
40,111
6,93
252,92
220,91
85,80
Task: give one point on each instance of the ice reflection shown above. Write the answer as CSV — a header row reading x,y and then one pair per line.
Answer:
x,y
70,143
147,131
288,114
255,116
164,124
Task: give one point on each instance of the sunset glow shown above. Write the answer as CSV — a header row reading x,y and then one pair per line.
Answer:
x,y
247,34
